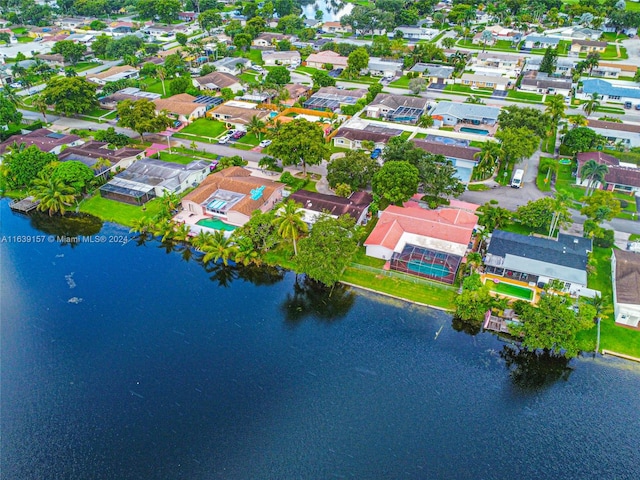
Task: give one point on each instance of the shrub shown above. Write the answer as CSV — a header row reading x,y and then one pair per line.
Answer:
x,y
292,182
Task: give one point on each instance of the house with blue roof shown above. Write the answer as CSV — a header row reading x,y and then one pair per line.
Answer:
x,y
608,92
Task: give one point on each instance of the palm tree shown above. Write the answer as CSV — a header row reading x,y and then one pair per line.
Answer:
x,y
475,99
101,165
201,240
474,260
555,108
592,61
256,127
561,215
289,222
54,195
246,252
425,121
161,74
592,104
219,248
488,155
578,121
11,95
594,172
487,36
41,105
602,308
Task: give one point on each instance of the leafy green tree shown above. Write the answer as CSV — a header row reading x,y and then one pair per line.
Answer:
x,y
396,182
100,44
579,139
401,149
180,85
40,104
322,79
417,85
601,206
112,137
182,38
54,195
553,325
8,111
21,166
358,60
278,76
121,47
260,230
530,118
289,222
174,64
492,216
474,301
71,51
140,116
73,174
517,143
97,25
536,214
328,249
209,20
439,180
227,94
548,64
300,141
290,24
242,41
70,95
167,10
355,169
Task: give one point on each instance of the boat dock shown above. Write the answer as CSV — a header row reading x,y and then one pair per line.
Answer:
x,y
500,324
25,205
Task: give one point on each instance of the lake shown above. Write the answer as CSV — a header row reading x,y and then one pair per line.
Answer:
x,y
331,11
123,359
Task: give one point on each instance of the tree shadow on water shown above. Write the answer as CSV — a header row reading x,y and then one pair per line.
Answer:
x,y
67,229
533,370
313,299
470,328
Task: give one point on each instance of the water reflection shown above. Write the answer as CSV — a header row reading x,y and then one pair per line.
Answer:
x,y
534,370
332,11
311,298
470,328
67,229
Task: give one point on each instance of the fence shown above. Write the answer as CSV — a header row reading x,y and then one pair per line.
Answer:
x,y
403,276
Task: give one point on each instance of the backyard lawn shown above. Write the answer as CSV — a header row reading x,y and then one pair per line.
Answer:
x,y
122,213
205,127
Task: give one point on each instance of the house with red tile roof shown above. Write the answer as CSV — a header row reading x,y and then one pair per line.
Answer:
x,y
422,242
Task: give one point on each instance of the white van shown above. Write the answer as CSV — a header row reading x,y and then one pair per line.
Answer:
x,y
516,181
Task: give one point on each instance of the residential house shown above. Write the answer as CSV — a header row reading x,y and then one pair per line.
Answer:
x,y
464,159
535,81
485,81
148,178
89,153
187,16
54,60
71,23
163,31
269,39
540,41
536,261
119,29
621,177
130,93
575,32
232,195
435,74
45,140
183,107
336,27
312,23
314,204
625,134
353,138
422,242
625,268
605,72
318,60
453,113
588,46
83,38
608,91
333,98
296,91
114,74
500,61
239,114
232,65
415,33
397,108
564,65
378,67
217,81
272,58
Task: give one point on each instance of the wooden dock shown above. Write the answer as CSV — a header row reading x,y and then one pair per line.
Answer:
x,y
25,205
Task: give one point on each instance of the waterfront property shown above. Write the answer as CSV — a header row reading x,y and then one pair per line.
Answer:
x,y
422,242
230,195
149,178
91,152
530,261
314,204
621,177
45,140
626,287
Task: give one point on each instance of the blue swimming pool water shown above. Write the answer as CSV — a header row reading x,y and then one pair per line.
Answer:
x,y
434,270
477,131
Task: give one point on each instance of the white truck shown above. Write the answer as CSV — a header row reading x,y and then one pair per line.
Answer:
x,y
516,181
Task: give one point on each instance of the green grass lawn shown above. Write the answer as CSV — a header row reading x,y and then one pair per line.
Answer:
x,y
249,77
122,213
405,135
254,55
24,39
487,92
20,30
399,287
510,290
251,140
532,97
402,82
81,66
175,157
477,187
309,70
606,109
96,112
205,127
420,135
154,86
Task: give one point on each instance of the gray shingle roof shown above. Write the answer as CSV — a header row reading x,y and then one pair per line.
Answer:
x,y
466,111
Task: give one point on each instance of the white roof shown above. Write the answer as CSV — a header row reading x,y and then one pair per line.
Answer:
x,y
430,243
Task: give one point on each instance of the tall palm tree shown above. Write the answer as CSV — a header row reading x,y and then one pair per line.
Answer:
x,y
594,172
592,104
41,105
54,195
488,160
425,121
256,127
219,248
289,222
555,107
577,121
602,308
561,215
161,74
101,165
201,240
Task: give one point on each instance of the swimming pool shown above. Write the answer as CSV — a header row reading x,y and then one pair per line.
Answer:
x,y
477,131
433,269
273,114
215,224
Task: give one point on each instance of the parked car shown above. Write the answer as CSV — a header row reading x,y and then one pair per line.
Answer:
x,y
224,139
16,85
257,68
628,105
238,134
638,107
265,143
177,124
376,153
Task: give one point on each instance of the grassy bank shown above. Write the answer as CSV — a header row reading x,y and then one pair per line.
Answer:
x,y
122,213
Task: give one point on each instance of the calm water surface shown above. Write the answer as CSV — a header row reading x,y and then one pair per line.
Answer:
x,y
156,370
